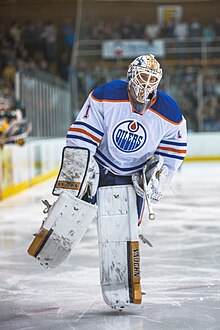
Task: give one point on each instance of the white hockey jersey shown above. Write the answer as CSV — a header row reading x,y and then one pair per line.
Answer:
x,y
122,140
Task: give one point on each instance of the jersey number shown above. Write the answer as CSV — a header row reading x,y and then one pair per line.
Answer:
x,y
87,112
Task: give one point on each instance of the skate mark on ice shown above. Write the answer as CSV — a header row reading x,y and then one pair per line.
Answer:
x,y
209,317
86,310
194,287
146,318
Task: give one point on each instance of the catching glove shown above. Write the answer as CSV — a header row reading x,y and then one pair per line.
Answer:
x,y
151,179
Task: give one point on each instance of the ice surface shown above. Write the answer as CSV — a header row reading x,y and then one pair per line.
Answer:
x,y
180,274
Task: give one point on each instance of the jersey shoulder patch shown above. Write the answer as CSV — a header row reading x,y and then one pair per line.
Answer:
x,y
114,91
166,107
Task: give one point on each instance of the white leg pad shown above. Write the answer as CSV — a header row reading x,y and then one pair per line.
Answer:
x,y
119,246
66,224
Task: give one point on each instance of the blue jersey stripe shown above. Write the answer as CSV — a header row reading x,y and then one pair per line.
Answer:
x,y
124,169
73,136
89,126
180,144
119,168
168,155
99,161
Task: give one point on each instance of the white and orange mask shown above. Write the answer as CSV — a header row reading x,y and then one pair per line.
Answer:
x,y
144,75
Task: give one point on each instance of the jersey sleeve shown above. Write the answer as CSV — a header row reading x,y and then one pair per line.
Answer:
x,y
88,129
173,147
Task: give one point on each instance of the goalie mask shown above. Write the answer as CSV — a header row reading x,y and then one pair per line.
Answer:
x,y
144,75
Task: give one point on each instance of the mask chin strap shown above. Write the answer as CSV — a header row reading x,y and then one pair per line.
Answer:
x,y
147,103
139,107
148,97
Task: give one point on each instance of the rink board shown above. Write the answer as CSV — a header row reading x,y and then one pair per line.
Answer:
x,y
39,160
22,167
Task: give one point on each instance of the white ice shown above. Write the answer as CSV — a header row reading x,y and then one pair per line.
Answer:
x,y
180,274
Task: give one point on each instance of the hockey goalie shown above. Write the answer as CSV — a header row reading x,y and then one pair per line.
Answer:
x,y
127,140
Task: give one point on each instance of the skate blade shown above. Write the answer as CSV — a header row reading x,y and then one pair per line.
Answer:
x,y
127,308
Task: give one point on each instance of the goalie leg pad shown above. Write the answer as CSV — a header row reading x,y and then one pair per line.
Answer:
x,y
66,224
119,246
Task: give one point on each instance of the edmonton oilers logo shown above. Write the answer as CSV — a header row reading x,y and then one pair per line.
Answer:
x,y
129,136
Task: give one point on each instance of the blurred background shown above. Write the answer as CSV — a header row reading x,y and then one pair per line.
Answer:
x,y
53,53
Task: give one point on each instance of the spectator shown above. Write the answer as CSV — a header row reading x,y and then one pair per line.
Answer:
x,y
99,31
28,36
43,65
116,30
86,30
152,31
164,30
5,112
217,26
217,87
126,28
4,53
50,35
217,31
39,38
108,30
63,66
22,53
8,73
181,34
15,34
195,32
208,33
2,32
181,31
171,28
138,30
195,29
67,35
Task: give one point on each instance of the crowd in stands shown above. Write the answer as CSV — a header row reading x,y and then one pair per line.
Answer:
x,y
29,46
134,29
45,46
196,88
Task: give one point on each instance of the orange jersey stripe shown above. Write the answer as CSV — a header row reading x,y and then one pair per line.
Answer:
x,y
80,130
153,101
173,149
170,121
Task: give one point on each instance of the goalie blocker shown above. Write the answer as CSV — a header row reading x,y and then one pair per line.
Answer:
x,y
69,217
119,246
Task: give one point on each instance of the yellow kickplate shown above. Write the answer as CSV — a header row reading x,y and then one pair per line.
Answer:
x,y
39,238
137,296
135,272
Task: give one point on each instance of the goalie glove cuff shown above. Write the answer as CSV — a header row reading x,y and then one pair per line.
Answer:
x,y
137,180
157,183
155,174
